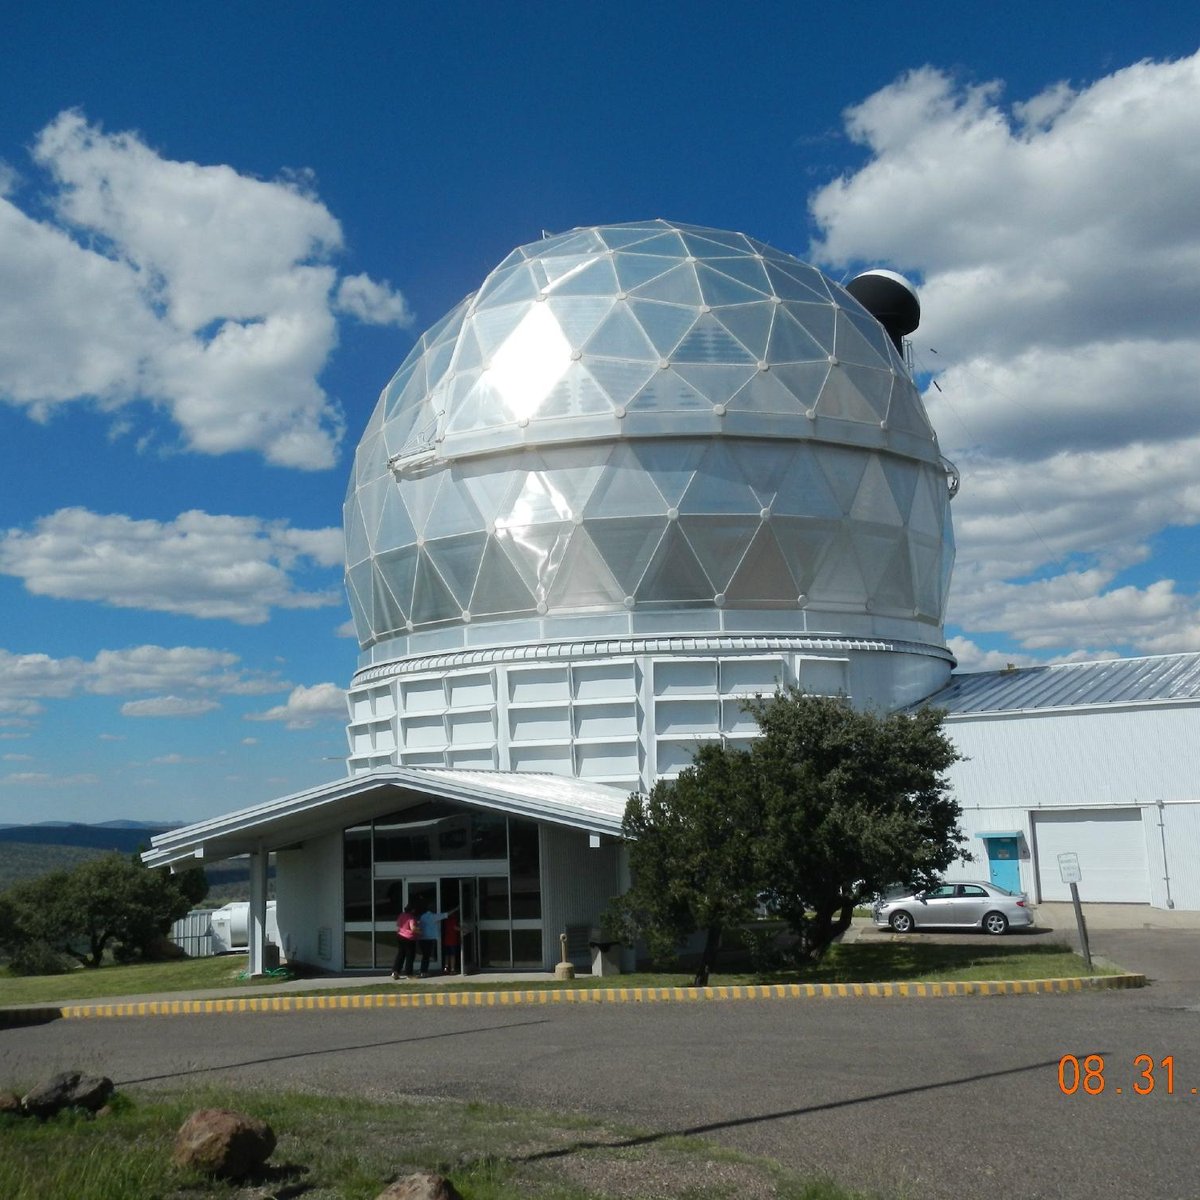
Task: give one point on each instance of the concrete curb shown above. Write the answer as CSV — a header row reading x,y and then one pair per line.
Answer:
x,y
617,995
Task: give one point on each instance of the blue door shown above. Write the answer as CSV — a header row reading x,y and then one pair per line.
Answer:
x,y
1003,863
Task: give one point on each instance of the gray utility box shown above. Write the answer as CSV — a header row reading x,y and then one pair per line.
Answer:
x,y
606,956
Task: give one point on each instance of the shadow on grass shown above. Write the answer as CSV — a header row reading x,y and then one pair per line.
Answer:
x,y
864,962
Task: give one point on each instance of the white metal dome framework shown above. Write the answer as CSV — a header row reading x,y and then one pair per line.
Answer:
x,y
642,431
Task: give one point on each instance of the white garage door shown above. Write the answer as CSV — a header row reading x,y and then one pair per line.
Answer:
x,y
1111,849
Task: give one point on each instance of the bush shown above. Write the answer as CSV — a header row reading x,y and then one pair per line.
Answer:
x,y
38,958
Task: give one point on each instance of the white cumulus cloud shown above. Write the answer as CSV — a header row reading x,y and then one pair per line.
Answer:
x,y
306,706
167,706
200,564
1057,249
206,293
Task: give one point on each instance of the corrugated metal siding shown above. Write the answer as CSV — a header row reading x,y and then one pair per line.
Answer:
x,y
1078,759
1178,879
577,883
1065,685
193,934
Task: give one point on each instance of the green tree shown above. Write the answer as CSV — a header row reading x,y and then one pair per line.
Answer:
x,y
853,802
693,844
106,903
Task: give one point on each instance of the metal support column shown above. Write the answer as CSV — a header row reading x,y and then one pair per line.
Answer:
x,y
257,917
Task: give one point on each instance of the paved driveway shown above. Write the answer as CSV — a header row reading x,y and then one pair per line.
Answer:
x,y
930,1098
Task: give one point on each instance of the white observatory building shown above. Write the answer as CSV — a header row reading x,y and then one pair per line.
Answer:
x,y
644,472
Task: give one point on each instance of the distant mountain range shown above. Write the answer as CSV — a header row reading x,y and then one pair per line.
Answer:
x,y
123,836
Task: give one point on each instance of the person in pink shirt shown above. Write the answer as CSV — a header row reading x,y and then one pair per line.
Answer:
x,y
406,936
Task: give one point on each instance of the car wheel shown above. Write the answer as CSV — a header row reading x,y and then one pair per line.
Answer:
x,y
901,922
995,922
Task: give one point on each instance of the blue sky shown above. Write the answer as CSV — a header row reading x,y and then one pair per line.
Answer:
x,y
222,227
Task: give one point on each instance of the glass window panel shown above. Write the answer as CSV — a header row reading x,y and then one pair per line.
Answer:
x,y
719,486
804,491
356,874
527,948
359,950
805,277
493,326
535,551
634,269
457,560
718,288
389,899
671,464
525,868
399,569
708,341
905,412
785,284
750,324
490,486
839,578
596,278
357,547
620,380
494,948
385,949
702,240
767,392
665,324
582,579
561,264
432,599
677,286
791,342
841,398
718,384
803,380
626,489
852,345
617,236
498,588
674,575
746,270
579,316
388,613
577,394
669,392
663,243
719,543
454,512
620,336
371,498
360,579
817,320
764,464
627,546
874,501
843,468
395,526
804,544
510,286
763,577
493,896
489,838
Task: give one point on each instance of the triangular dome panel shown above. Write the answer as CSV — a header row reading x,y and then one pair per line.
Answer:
x,y
763,577
674,575
627,546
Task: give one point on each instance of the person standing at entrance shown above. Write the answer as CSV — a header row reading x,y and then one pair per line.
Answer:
x,y
406,937
451,943
429,922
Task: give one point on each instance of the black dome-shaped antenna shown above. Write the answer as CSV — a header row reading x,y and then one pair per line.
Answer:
x,y
890,299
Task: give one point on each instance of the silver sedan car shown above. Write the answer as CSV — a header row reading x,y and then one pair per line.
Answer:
x,y
954,906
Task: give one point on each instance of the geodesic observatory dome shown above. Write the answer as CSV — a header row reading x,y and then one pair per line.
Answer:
x,y
647,446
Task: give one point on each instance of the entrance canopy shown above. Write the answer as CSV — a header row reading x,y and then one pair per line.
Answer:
x,y
287,821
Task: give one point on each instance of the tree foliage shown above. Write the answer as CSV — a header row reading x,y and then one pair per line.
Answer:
x,y
112,903
827,807
853,803
692,841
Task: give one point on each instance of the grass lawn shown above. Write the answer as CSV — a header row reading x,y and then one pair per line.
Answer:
x,y
860,962
331,1147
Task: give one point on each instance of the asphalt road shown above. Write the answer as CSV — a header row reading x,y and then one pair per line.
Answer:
x,y
930,1098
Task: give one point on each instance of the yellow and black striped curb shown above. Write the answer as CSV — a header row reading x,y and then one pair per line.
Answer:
x,y
516,996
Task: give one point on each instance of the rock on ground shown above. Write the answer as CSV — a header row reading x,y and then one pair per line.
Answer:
x,y
71,1089
221,1142
423,1185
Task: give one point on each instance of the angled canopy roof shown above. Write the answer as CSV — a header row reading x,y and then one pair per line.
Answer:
x,y
290,819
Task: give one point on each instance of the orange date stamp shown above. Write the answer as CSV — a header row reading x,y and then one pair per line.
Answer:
x,y
1094,1075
